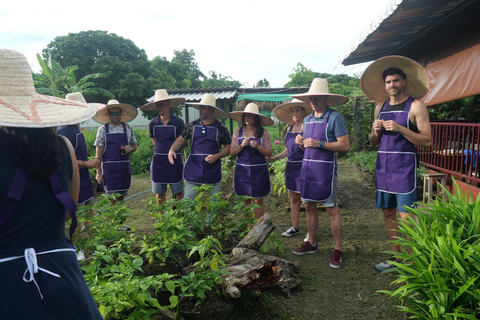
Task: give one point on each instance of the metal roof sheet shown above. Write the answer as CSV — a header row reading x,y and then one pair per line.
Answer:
x,y
400,23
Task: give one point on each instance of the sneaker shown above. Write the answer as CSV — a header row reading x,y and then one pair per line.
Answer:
x,y
291,232
386,265
337,259
306,238
305,248
80,255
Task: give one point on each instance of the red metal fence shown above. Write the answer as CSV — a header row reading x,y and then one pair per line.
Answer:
x,y
454,150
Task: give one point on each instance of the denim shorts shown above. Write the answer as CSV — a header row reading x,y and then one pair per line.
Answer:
x,y
400,201
161,188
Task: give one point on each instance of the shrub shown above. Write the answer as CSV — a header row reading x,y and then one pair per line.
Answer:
x,y
141,159
440,276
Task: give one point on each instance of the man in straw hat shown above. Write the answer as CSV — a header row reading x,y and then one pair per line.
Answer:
x,y
164,129
115,142
206,136
401,123
75,136
324,133
39,183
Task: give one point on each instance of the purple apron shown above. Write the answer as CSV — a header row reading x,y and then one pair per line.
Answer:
x,y
294,162
318,167
86,188
204,143
116,167
161,170
251,176
396,167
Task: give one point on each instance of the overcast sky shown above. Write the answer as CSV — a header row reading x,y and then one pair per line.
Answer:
x,y
247,40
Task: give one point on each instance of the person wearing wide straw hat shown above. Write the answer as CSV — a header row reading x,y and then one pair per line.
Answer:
x,y
163,130
76,138
401,122
324,133
292,113
114,143
39,272
251,144
207,135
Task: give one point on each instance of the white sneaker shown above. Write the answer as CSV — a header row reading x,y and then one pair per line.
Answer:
x,y
291,232
80,255
306,238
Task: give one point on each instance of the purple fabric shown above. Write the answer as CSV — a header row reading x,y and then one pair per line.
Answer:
x,y
161,170
66,199
294,161
251,176
316,177
396,167
116,167
86,188
197,170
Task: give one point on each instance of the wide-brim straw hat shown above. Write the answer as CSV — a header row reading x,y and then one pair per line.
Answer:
x,y
128,112
319,87
373,85
209,101
78,97
282,112
162,95
21,106
251,108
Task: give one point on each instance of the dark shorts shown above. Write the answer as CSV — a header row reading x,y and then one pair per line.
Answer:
x,y
400,201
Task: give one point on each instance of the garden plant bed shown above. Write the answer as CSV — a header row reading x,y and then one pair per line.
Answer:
x,y
324,293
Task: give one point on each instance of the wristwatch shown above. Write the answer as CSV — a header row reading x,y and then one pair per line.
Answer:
x,y
322,143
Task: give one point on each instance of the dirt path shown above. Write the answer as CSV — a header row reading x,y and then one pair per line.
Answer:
x,y
325,293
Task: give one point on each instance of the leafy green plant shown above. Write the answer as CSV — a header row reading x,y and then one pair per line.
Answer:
x,y
141,159
278,181
440,273
205,276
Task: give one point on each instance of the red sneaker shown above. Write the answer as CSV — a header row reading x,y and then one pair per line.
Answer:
x,y
305,248
336,261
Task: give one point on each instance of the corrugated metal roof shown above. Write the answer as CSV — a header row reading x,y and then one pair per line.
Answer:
x,y
198,93
398,25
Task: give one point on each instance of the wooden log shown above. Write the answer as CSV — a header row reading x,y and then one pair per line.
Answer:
x,y
259,233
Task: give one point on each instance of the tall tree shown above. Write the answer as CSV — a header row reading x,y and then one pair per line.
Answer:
x,y
264,83
215,81
103,52
185,69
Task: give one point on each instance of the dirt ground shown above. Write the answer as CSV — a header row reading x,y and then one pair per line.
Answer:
x,y
325,293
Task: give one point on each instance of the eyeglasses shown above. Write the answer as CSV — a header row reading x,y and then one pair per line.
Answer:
x,y
203,131
118,114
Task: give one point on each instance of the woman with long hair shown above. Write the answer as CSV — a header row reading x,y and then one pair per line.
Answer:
x,y
251,143
293,114
39,273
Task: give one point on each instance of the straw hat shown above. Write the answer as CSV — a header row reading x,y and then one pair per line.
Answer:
x,y
78,97
128,112
319,87
373,84
282,112
21,106
209,101
162,95
253,109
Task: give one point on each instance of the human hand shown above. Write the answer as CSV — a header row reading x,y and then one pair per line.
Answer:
x,y
94,163
99,178
254,144
378,125
311,143
299,140
245,142
391,125
172,156
211,158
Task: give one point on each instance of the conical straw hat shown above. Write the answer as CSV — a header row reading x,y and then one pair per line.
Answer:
x,y
128,112
77,96
282,112
319,87
373,85
162,95
253,109
209,100
21,106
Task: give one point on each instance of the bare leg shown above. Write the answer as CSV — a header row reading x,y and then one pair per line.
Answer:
x,y
336,225
312,221
259,211
179,196
295,203
391,224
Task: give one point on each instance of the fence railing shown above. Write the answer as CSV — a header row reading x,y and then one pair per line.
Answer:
x,y
454,150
